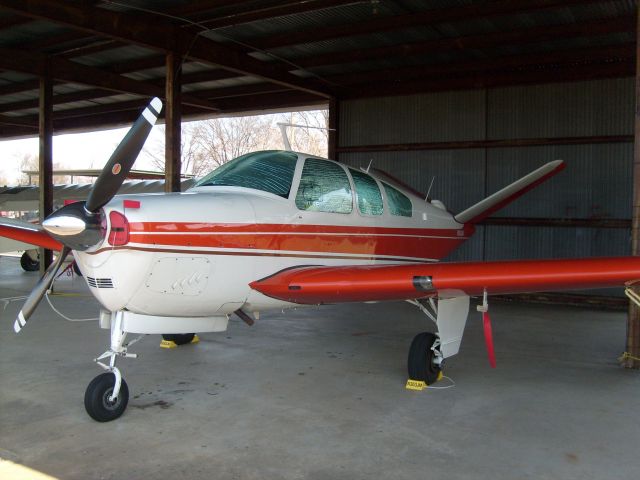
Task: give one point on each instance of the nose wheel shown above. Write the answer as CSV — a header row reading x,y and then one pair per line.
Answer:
x,y
99,401
107,395
425,360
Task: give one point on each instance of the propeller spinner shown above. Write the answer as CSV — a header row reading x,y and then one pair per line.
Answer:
x,y
79,226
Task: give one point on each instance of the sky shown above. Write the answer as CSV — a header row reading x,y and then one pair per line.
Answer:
x,y
78,150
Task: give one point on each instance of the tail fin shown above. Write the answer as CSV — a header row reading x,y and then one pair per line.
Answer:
x,y
508,194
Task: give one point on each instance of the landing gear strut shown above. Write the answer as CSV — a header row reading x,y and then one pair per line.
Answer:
x,y
107,395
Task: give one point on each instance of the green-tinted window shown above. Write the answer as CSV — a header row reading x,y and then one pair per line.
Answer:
x,y
324,187
367,194
270,171
399,203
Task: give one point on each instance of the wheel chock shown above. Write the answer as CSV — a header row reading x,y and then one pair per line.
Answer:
x,y
172,344
419,385
168,344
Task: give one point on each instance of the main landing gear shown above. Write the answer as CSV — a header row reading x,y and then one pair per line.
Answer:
x,y
428,350
29,261
425,359
179,339
107,395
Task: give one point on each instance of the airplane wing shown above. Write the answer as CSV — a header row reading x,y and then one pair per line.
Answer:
x,y
318,285
28,233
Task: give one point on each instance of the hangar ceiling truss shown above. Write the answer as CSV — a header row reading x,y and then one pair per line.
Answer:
x,y
107,57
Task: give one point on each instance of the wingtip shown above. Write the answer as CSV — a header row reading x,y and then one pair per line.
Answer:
x,y
16,326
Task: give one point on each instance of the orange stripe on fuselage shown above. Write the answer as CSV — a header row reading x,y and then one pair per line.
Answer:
x,y
375,241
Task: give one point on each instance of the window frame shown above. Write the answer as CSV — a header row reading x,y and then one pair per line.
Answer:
x,y
386,200
385,210
295,186
264,192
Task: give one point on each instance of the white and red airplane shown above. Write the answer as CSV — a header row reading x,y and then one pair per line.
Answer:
x,y
278,229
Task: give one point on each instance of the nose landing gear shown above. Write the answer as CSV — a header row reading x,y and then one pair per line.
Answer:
x,y
99,401
107,395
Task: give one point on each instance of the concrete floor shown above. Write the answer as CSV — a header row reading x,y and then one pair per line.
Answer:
x,y
319,394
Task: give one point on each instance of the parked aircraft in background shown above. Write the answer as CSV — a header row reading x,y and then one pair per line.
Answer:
x,y
278,229
25,199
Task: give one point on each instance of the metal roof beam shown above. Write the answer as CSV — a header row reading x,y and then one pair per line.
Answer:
x,y
623,24
482,79
272,9
13,21
160,35
69,71
443,72
19,87
421,19
125,112
95,93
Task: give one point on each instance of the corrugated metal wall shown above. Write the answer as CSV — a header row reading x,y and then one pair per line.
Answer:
x,y
597,182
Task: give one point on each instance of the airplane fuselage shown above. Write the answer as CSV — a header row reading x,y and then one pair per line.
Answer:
x,y
195,253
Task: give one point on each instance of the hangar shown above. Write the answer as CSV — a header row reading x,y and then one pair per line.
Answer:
x,y
475,94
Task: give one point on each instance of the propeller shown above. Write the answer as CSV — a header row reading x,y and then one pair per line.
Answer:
x,y
39,290
79,226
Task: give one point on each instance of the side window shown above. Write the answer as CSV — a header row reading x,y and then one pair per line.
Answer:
x,y
324,187
399,203
367,194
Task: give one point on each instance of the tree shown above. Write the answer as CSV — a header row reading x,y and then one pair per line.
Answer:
x,y
207,144
313,140
30,163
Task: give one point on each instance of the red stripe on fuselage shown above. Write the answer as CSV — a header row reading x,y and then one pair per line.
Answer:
x,y
375,241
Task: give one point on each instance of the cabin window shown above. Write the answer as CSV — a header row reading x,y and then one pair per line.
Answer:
x,y
368,194
270,171
324,187
399,203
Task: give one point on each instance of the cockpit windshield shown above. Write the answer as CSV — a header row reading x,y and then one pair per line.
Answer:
x,y
270,171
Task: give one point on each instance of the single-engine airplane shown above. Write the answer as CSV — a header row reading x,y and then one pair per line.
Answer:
x,y
278,229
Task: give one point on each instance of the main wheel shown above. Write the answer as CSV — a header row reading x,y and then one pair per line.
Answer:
x,y
96,398
179,339
421,365
28,264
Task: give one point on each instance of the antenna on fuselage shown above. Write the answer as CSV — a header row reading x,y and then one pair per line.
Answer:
x,y
369,166
426,199
285,138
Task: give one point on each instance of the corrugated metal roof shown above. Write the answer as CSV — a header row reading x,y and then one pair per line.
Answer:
x,y
269,23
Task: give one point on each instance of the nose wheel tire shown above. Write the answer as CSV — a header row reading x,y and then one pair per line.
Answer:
x,y
421,363
96,398
179,339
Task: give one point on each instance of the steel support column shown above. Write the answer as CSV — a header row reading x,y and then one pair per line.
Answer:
x,y
632,356
334,122
45,158
173,121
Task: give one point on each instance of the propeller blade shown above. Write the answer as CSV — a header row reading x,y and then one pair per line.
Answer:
x,y
122,159
38,291
488,338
